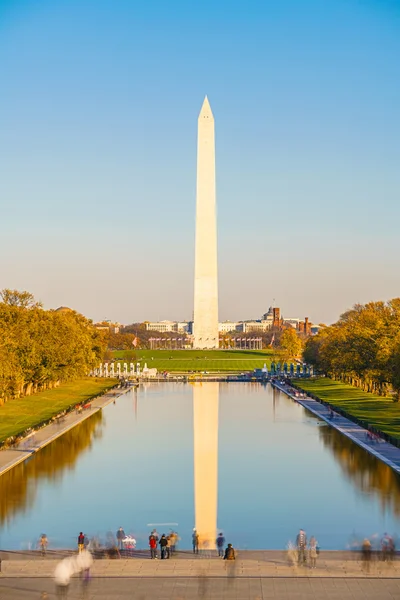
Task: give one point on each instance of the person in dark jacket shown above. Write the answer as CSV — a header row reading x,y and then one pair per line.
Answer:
x,y
229,553
220,545
81,542
366,550
163,545
120,536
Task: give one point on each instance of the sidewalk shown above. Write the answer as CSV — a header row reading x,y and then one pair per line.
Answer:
x,y
386,452
268,563
204,587
36,441
253,576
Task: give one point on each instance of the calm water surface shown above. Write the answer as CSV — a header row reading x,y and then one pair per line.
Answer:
x,y
132,465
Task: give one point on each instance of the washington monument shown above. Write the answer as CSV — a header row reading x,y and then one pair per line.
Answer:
x,y
206,276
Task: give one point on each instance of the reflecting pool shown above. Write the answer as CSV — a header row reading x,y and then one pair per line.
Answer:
x,y
238,457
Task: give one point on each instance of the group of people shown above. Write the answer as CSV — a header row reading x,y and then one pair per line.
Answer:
x,y
227,554
167,544
387,550
305,551
372,438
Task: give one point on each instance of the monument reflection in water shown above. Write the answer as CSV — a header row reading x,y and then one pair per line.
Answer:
x,y
205,442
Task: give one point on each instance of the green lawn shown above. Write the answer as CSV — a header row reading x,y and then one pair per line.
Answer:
x,y
199,360
382,413
16,416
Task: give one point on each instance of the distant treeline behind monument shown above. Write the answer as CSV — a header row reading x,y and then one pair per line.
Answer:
x,y
39,348
362,348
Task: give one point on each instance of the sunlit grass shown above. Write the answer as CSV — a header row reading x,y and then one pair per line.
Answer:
x,y
198,360
16,416
377,411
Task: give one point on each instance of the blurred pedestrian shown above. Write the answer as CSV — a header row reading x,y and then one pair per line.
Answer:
x,y
385,547
85,579
220,545
195,542
366,554
301,543
155,534
392,549
62,577
153,546
81,542
173,538
120,536
112,546
313,551
292,554
43,543
163,546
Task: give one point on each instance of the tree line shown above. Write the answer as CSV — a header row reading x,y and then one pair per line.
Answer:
x,y
41,348
361,348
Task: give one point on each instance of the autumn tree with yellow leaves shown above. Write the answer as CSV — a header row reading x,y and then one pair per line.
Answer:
x,y
362,348
41,348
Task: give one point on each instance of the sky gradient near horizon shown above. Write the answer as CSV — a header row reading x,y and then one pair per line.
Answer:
x,y
98,107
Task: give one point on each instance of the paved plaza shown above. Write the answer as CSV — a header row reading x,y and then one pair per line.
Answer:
x,y
188,588
253,576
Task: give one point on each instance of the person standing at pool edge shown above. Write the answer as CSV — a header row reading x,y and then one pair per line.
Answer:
x,y
43,542
120,536
163,546
153,546
313,548
220,545
301,543
195,542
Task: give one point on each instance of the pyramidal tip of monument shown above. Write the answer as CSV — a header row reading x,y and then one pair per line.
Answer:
x,y
206,111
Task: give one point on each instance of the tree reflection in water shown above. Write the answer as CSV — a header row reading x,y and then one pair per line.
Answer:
x,y
369,474
18,486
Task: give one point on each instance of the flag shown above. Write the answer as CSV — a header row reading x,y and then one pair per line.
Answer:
x,y
134,341
272,340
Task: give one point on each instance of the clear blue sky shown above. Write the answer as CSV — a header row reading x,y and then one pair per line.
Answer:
x,y
98,108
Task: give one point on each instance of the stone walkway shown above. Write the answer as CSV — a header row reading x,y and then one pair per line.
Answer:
x,y
253,576
386,452
205,588
266,563
36,441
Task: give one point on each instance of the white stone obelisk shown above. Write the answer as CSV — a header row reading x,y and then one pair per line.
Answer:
x,y
206,275
205,421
